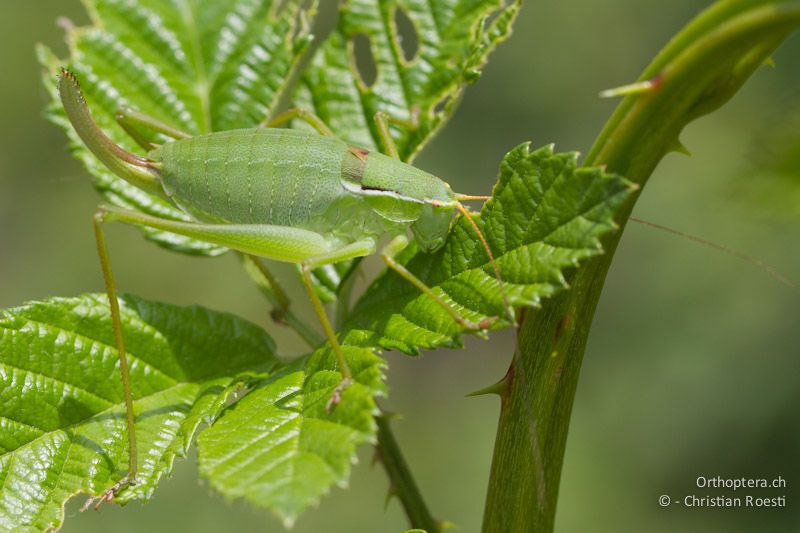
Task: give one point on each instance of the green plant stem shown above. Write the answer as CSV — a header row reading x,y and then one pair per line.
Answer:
x,y
303,330
345,294
281,305
402,482
700,69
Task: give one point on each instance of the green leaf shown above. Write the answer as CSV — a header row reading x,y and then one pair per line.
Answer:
x,y
453,39
62,417
198,66
546,214
279,447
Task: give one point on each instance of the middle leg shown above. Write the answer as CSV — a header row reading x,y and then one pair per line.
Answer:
x,y
357,249
303,114
398,244
132,121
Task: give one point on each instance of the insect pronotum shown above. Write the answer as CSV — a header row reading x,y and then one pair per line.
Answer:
x,y
280,194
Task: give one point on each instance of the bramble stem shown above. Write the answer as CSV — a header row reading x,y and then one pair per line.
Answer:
x,y
272,291
402,482
700,70
303,330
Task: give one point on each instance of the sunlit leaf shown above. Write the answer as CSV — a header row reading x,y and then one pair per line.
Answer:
x,y
62,416
279,447
453,39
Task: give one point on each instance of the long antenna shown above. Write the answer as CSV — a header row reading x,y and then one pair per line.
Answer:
x,y
466,197
771,271
519,366
506,302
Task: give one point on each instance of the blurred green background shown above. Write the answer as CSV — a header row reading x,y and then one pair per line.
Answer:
x,y
693,363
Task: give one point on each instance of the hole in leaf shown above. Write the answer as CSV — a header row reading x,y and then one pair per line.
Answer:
x,y
364,60
493,16
442,104
406,34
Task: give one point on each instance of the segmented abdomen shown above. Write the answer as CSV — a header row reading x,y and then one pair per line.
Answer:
x,y
254,176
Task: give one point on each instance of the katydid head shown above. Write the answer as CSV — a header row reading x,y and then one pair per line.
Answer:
x,y
402,193
432,222
431,227
426,203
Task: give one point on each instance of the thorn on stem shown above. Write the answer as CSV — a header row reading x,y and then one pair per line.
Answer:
x,y
679,147
376,457
639,87
391,493
278,316
500,388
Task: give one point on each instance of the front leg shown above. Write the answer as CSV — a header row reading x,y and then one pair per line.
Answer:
x,y
357,249
396,246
